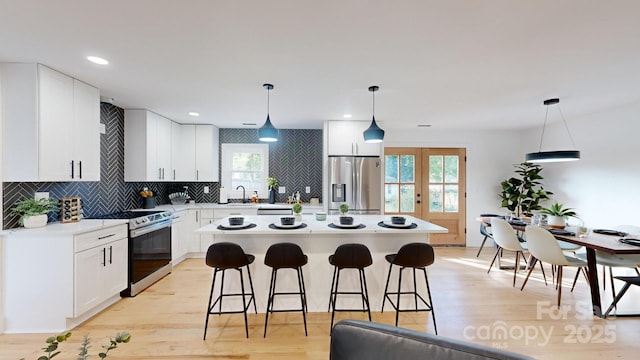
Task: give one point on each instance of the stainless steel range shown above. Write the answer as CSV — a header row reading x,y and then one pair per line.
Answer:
x,y
149,247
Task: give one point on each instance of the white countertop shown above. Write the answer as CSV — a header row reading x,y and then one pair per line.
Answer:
x,y
175,208
66,229
314,226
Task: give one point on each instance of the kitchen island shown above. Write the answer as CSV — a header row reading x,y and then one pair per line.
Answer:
x,y
318,240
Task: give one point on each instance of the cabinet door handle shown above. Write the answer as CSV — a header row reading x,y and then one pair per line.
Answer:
x,y
159,173
162,173
80,168
72,168
197,175
110,254
104,257
197,217
174,174
106,236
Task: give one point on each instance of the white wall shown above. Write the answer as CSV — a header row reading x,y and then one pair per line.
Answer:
x,y
490,159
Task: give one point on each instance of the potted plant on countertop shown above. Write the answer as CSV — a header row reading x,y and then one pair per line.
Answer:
x,y
344,218
558,215
32,212
272,183
524,194
297,211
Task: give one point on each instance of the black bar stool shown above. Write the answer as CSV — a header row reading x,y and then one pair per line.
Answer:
x,y
285,256
226,256
350,256
414,256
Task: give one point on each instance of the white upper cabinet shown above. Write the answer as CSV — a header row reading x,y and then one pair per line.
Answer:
x,y
346,138
206,153
52,125
147,146
195,152
183,149
158,149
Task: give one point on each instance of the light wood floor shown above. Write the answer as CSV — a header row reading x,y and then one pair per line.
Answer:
x,y
166,321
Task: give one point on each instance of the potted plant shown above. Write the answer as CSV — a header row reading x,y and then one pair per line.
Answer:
x,y
32,212
344,218
297,210
524,194
272,183
558,215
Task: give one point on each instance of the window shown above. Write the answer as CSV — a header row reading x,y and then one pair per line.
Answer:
x,y
400,183
443,183
246,165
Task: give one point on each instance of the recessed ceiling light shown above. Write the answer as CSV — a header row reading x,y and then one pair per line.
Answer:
x,y
346,116
97,60
192,113
424,125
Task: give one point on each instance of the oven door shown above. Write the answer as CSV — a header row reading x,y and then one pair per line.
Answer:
x,y
150,255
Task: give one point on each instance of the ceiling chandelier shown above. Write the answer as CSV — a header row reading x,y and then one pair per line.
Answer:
x,y
558,155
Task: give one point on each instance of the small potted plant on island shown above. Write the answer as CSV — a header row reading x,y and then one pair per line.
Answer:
x,y
558,215
272,183
32,212
344,218
297,211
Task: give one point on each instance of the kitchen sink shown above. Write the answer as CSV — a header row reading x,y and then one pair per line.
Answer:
x,y
247,205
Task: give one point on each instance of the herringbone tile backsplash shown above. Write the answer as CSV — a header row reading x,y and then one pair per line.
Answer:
x,y
296,160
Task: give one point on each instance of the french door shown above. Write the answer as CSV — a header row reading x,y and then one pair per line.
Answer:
x,y
430,184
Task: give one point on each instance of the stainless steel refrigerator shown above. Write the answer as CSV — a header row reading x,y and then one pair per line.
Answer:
x,y
356,181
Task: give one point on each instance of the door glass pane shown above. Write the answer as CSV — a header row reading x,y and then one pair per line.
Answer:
x,y
391,198
435,198
451,169
391,168
407,168
407,194
435,168
451,198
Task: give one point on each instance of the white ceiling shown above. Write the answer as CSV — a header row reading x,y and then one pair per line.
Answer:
x,y
449,63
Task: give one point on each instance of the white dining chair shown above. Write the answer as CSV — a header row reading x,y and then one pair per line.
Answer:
x,y
611,261
506,239
544,247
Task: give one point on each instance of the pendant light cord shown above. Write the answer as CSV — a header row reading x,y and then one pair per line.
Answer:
x,y
373,111
543,127
563,121
566,127
268,91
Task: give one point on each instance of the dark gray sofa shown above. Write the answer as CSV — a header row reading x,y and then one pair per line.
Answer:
x,y
354,339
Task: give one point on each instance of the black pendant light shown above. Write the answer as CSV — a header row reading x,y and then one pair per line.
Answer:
x,y
558,155
373,134
267,132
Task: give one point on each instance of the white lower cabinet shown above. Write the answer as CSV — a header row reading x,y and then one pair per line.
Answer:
x,y
60,275
192,223
100,272
179,237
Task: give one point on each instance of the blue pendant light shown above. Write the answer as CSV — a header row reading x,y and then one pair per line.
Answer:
x,y
373,134
267,132
558,155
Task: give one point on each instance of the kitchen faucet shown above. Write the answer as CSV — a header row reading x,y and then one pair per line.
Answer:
x,y
243,192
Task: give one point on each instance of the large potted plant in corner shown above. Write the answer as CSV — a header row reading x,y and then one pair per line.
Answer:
x,y
558,215
523,194
32,212
272,183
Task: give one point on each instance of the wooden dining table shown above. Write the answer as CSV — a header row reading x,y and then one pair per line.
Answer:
x,y
591,242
